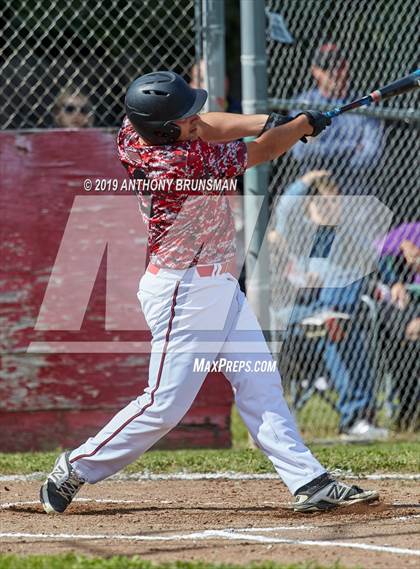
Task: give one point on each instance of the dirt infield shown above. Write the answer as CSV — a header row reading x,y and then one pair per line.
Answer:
x,y
214,520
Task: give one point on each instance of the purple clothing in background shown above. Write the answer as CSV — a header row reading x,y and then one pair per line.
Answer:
x,y
391,242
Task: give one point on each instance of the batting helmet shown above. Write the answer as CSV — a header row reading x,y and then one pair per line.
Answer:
x,y
154,100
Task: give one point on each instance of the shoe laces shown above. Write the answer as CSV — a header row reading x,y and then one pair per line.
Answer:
x,y
70,487
338,475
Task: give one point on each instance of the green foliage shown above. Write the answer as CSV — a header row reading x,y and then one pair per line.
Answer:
x,y
71,561
396,456
238,430
370,458
242,460
392,456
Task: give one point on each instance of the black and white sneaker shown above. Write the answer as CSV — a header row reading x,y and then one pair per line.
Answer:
x,y
326,493
61,486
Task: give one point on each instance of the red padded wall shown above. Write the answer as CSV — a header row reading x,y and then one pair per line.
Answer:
x,y
59,399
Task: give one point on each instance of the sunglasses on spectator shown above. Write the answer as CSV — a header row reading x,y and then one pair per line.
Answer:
x,y
71,109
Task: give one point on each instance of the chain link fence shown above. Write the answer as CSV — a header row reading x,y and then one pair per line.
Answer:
x,y
84,54
351,354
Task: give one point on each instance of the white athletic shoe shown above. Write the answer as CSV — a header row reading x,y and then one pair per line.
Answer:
x,y
326,493
61,486
364,431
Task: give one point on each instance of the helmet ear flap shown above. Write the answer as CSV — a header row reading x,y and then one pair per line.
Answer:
x,y
172,131
168,132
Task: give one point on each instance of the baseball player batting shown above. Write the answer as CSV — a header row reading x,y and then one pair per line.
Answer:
x,y
191,302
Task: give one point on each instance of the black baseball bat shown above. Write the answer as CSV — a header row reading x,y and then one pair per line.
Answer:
x,y
403,85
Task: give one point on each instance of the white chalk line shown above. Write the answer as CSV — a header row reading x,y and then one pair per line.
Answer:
x,y
144,476
10,505
7,505
212,534
245,534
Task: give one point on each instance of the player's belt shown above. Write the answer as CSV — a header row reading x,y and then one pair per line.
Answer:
x,y
202,270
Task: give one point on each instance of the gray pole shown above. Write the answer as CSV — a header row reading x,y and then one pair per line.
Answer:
x,y
214,51
198,28
254,101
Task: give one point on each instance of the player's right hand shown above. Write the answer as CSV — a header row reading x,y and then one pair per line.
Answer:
x,y
318,122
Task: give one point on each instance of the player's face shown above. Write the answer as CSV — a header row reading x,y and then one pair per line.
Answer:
x,y
189,128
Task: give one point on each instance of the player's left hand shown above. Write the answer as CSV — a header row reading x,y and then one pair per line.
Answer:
x,y
275,119
318,122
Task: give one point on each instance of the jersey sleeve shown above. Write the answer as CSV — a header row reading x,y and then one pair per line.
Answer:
x,y
127,144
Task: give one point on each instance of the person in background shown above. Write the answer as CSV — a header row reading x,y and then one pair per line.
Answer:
x,y
345,355
398,296
72,109
355,144
227,104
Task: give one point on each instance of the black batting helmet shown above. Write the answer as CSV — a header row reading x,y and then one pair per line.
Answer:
x,y
154,100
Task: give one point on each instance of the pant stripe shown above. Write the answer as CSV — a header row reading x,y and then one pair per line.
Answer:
x,y
152,393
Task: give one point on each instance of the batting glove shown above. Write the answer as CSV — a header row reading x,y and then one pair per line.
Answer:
x,y
275,119
318,122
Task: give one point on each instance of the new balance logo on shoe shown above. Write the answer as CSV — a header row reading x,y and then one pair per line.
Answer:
x,y
337,491
61,486
327,496
57,474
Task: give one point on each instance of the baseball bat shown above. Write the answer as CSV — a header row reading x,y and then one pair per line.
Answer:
x,y
403,85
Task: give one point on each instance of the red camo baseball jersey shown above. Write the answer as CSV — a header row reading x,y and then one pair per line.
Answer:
x,y
184,227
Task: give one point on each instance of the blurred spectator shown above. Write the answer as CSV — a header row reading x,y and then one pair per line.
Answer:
x,y
228,104
356,142
72,109
343,348
398,293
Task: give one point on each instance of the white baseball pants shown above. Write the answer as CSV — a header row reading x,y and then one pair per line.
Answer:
x,y
193,317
